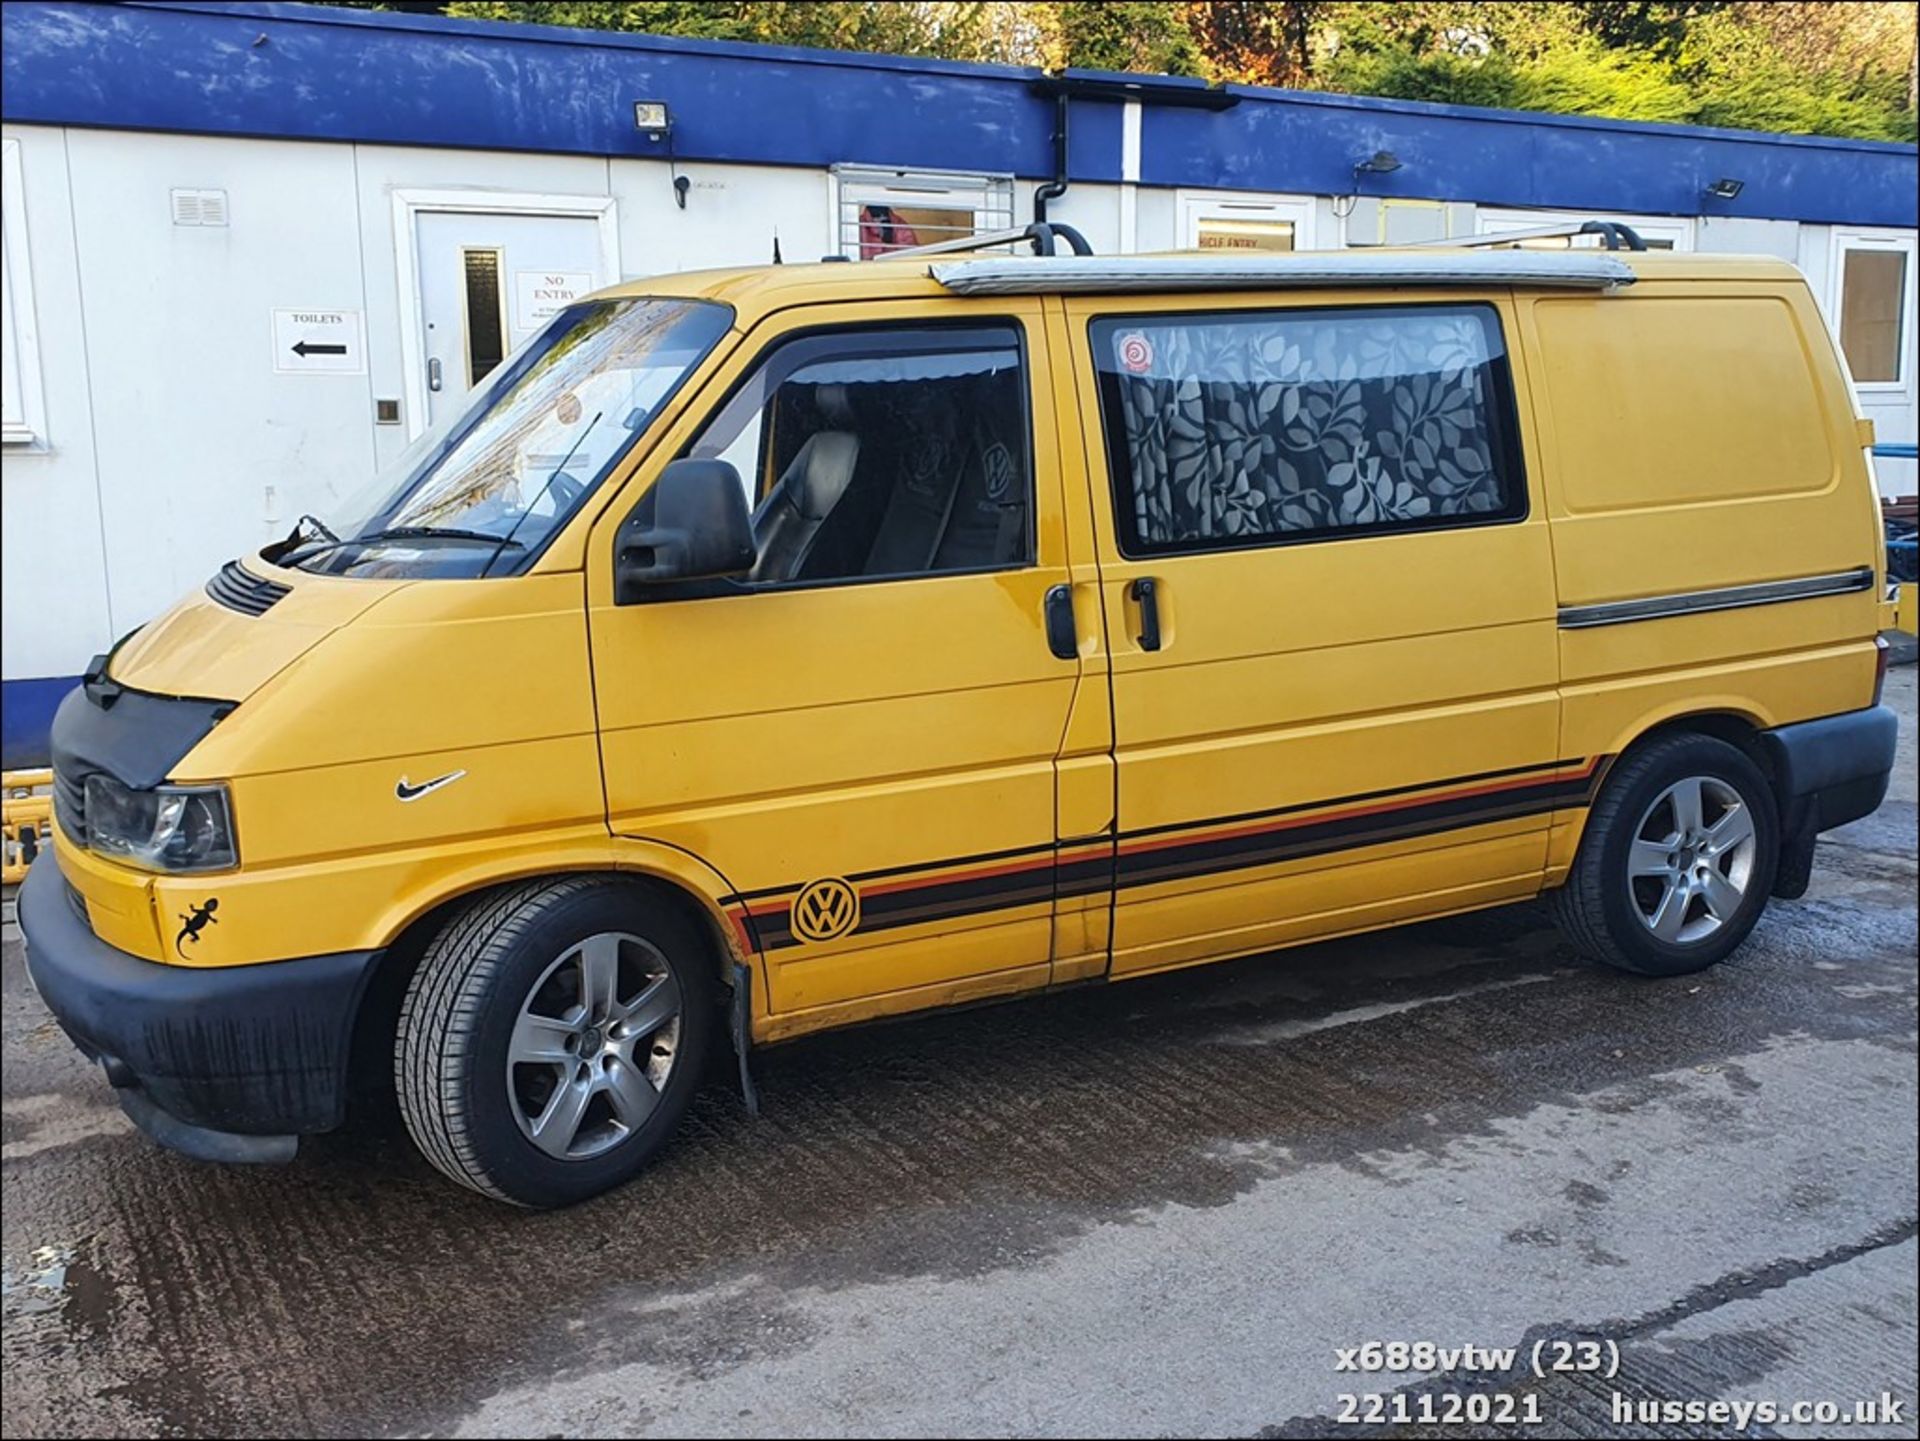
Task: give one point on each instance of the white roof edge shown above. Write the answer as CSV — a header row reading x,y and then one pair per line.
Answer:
x,y
1095,274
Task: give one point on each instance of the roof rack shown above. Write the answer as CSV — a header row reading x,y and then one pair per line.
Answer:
x,y
1613,236
1042,234
1206,270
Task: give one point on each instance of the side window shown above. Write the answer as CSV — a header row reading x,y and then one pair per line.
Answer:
x,y
1270,427
883,454
883,210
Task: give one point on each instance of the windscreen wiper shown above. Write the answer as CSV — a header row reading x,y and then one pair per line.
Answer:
x,y
417,532
314,522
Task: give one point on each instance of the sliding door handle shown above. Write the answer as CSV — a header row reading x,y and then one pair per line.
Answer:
x,y
1146,595
1062,639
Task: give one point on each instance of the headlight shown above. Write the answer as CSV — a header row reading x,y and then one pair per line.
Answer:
x,y
169,828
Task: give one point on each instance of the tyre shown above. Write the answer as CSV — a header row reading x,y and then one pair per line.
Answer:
x,y
1678,859
552,1037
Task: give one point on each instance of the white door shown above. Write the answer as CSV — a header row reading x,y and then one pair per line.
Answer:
x,y
1870,303
487,282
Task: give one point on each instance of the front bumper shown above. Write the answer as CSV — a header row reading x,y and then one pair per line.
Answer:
x,y
226,1063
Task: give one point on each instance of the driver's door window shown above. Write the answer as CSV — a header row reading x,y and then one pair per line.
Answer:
x,y
883,454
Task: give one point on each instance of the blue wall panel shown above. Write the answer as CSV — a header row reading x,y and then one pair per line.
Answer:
x,y
291,71
1308,144
346,75
26,717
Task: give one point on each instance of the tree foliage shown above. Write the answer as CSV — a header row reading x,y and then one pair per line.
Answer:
x,y
1815,67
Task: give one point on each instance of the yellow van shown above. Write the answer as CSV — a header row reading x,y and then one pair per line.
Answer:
x,y
770,650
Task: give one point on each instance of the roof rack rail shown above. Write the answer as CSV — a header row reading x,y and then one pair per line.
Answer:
x,y
1613,236
1041,234
1211,271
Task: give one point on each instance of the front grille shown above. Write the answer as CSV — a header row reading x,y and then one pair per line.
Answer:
x,y
70,804
238,588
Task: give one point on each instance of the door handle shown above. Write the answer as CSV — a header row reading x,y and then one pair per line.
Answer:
x,y
1062,639
1145,594
433,373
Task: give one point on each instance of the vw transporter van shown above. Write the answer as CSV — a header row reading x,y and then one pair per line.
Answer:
x,y
771,650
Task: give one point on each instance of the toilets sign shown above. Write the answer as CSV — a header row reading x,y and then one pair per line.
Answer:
x,y
318,342
539,295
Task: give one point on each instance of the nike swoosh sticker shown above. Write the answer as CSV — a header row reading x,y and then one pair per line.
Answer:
x,y
405,792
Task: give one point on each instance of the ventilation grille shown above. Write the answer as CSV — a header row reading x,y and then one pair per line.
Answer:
x,y
199,207
70,803
238,588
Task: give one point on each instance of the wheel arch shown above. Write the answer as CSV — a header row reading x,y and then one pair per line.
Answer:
x,y
680,879
1738,728
1736,721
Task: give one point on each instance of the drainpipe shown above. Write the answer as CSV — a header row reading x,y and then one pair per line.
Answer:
x,y
1057,186
1148,90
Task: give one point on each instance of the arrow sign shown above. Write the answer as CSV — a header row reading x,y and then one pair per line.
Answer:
x,y
318,341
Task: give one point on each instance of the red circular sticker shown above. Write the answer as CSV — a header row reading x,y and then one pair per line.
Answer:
x,y
568,408
1136,353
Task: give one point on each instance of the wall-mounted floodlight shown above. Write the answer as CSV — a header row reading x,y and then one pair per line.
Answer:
x,y
652,116
1726,188
1381,162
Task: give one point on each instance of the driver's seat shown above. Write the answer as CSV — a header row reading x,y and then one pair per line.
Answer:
x,y
789,519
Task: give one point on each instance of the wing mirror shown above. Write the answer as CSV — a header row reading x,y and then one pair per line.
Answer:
x,y
692,525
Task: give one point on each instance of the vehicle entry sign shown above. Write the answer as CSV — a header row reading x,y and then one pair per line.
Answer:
x,y
319,342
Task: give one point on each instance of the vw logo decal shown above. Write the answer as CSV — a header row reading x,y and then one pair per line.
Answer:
x,y
998,465
826,910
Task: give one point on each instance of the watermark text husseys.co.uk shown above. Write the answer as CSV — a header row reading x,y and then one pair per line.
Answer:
x,y
1882,1410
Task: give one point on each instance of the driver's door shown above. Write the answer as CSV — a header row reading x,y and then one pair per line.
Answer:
x,y
862,738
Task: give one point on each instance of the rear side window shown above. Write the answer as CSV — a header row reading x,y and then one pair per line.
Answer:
x,y
1256,428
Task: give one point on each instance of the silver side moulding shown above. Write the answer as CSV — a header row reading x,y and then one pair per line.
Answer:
x,y
1733,597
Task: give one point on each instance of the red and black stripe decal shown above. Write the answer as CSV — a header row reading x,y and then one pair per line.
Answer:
x,y
969,885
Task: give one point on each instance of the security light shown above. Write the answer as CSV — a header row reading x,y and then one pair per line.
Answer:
x,y
652,117
1726,189
1381,162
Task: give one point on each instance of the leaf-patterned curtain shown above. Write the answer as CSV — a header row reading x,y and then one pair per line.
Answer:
x,y
1265,424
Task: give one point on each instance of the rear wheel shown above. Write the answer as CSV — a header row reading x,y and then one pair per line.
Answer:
x,y
1678,859
552,1038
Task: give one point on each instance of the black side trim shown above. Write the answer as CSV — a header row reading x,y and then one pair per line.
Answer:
x,y
1206,853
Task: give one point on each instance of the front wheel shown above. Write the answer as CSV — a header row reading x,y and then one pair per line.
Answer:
x,y
1678,859
552,1038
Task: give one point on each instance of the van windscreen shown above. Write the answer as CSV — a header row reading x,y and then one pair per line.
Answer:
x,y
482,494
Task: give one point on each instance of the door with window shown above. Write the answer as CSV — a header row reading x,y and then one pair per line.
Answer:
x,y
862,734
1870,305
1236,222
1329,598
487,282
